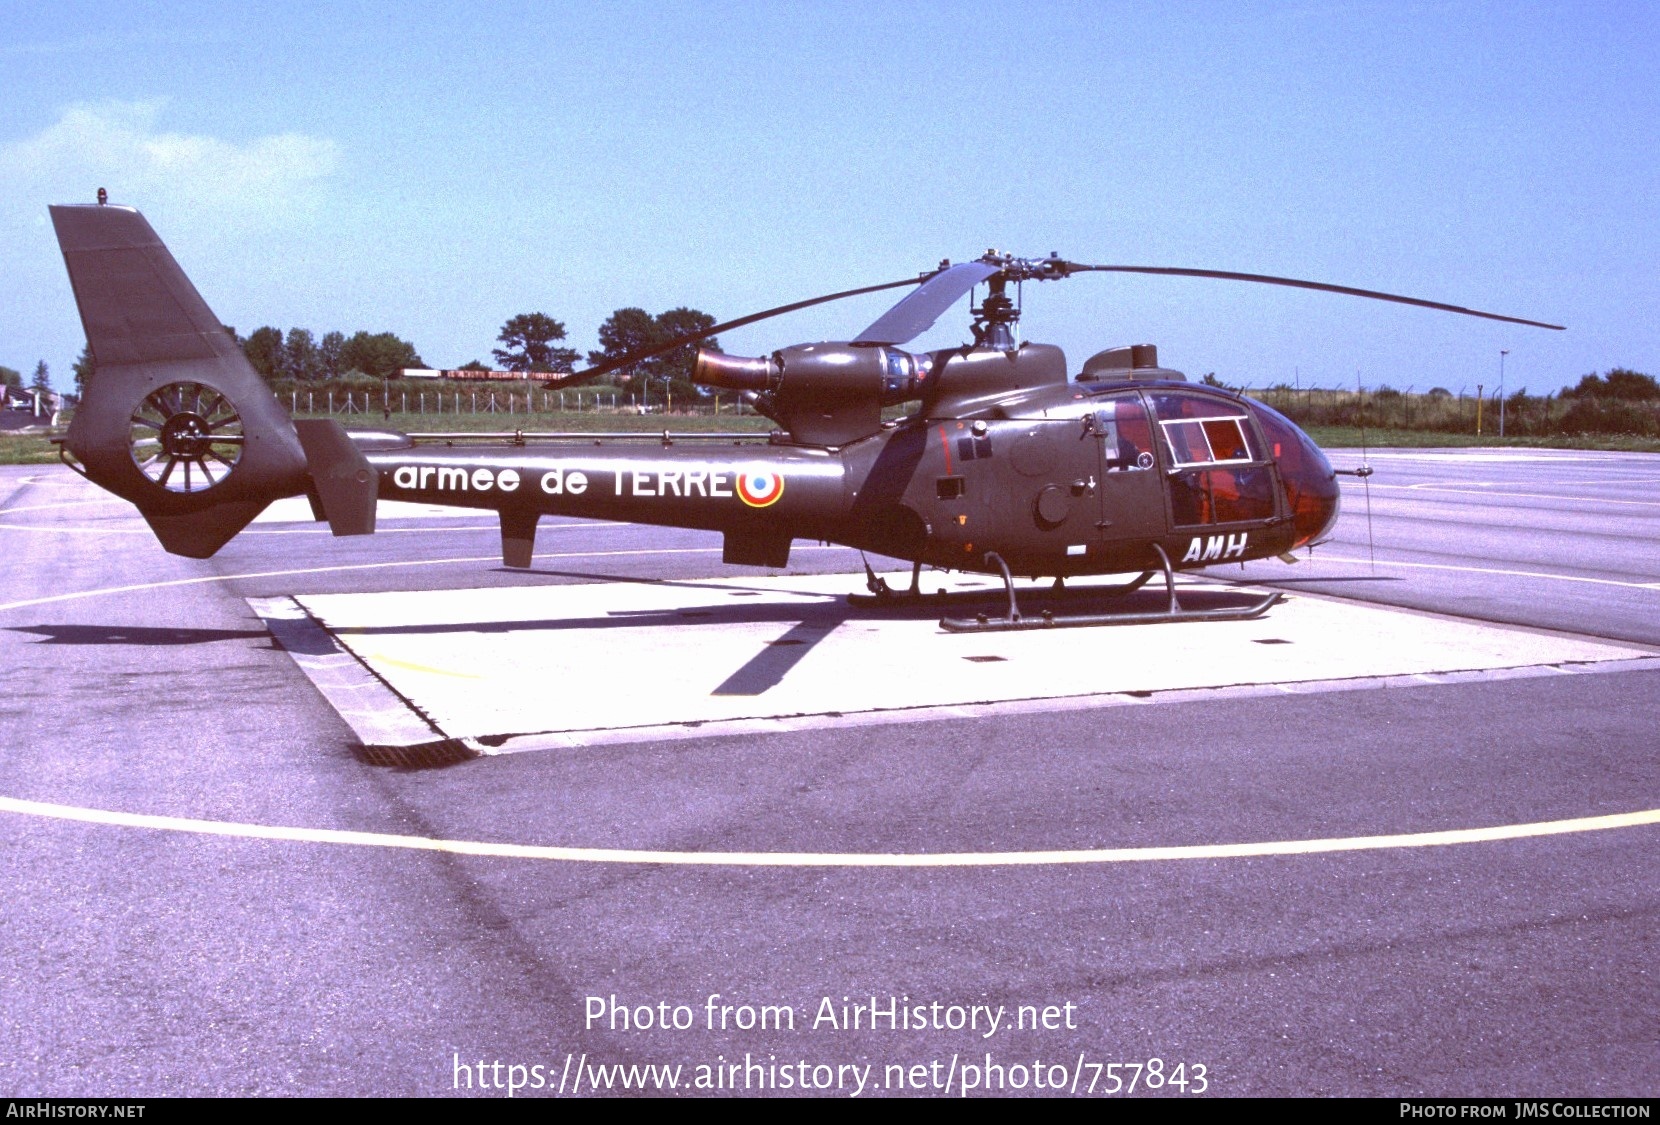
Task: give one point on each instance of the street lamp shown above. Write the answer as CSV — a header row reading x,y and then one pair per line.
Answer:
x,y
1502,353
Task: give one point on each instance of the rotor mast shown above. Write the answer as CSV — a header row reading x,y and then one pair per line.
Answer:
x,y
997,318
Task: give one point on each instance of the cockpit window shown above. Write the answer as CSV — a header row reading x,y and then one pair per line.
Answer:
x,y
1216,475
1202,431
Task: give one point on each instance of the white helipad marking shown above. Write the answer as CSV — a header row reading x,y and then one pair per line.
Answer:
x,y
831,859
63,504
311,528
1476,454
1491,489
1496,570
71,529
497,666
105,590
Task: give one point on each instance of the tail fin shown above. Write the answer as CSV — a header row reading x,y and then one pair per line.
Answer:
x,y
174,418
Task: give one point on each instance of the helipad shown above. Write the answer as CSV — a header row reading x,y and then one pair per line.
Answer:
x,y
506,669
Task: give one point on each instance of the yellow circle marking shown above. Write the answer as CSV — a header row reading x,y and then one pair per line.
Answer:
x,y
829,859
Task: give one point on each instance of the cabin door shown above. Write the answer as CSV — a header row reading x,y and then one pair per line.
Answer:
x,y
1129,486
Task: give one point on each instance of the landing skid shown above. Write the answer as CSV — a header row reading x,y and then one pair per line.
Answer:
x,y
881,594
1048,619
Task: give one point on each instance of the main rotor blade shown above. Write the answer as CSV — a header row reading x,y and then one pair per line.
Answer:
x,y
642,354
1322,286
916,313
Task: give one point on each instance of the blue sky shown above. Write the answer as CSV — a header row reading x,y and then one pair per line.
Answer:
x,y
433,169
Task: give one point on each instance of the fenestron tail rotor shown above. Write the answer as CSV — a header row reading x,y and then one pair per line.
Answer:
x,y
186,437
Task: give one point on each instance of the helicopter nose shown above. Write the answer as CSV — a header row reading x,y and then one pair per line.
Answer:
x,y
1310,484
1311,488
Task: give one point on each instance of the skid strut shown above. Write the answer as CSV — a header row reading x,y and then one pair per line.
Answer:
x,y
883,594
1173,611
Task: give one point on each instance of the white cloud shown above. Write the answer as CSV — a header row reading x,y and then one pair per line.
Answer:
x,y
117,145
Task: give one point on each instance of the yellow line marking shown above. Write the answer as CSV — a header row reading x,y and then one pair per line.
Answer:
x,y
412,666
829,859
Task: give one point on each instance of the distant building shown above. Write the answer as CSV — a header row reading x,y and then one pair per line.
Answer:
x,y
473,374
41,404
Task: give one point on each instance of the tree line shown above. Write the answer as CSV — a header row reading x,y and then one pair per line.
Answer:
x,y
529,342
300,357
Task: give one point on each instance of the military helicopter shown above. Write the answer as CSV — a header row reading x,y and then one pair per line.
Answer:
x,y
1007,465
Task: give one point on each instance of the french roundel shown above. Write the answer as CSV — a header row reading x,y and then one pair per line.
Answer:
x,y
760,489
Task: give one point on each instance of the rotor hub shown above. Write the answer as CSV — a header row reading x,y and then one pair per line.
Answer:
x,y
1052,268
186,435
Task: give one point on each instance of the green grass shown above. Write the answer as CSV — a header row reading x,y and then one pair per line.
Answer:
x,y
26,449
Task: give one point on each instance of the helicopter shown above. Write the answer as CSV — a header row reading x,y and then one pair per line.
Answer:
x,y
1006,464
